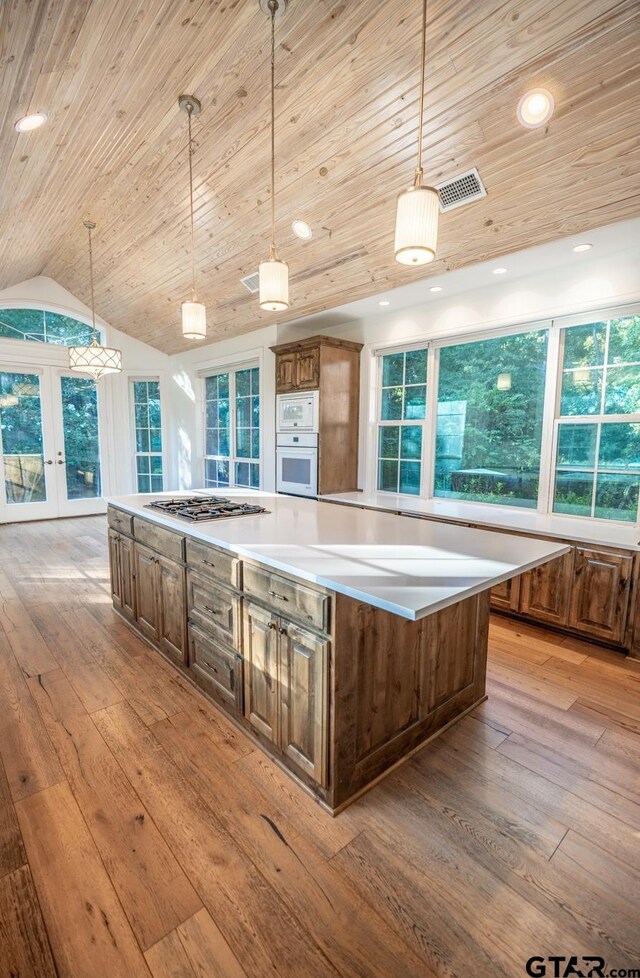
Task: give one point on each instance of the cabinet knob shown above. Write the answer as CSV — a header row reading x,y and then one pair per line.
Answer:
x,y
283,631
272,624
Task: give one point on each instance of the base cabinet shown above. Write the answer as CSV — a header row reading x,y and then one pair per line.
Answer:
x,y
546,590
588,591
285,688
601,593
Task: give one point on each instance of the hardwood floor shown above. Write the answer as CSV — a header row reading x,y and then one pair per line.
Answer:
x,y
142,835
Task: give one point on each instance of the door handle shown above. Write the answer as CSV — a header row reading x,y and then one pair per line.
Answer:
x,y
49,462
60,461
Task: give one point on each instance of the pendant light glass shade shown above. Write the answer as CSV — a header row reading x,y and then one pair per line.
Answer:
x,y
274,285
95,360
417,225
194,320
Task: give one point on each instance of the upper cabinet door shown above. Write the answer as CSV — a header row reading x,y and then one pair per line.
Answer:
x,y
285,373
600,597
308,369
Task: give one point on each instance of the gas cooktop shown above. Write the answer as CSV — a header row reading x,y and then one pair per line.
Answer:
x,y
199,509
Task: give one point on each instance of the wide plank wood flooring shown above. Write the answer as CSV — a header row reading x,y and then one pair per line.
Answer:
x,y
141,834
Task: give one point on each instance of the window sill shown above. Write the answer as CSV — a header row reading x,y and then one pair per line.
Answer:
x,y
580,529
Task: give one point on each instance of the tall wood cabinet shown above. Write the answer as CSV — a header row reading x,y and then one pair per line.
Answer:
x,y
332,367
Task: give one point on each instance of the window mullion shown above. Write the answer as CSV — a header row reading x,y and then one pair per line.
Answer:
x,y
548,442
430,425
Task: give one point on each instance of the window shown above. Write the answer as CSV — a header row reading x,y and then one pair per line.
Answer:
x,y
41,326
489,419
597,470
232,429
403,410
148,435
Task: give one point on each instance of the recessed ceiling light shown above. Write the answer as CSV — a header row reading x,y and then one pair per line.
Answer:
x,y
302,230
435,288
384,302
29,122
535,108
499,271
583,247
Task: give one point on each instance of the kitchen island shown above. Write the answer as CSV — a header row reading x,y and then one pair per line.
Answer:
x,y
341,640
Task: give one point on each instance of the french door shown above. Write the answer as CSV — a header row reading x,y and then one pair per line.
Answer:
x,y
50,435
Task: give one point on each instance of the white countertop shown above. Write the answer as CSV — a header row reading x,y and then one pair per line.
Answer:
x,y
576,528
407,567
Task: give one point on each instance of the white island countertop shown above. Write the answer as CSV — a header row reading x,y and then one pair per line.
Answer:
x,y
408,567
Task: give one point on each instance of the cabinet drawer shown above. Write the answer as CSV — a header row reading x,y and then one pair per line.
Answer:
x,y
214,607
210,562
216,669
118,520
290,598
158,538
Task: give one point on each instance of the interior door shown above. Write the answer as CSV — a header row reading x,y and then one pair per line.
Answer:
x,y
27,446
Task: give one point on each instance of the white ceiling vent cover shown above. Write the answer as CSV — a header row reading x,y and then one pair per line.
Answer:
x,y
460,190
252,282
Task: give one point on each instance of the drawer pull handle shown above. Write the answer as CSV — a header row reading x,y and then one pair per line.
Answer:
x,y
209,563
212,610
280,597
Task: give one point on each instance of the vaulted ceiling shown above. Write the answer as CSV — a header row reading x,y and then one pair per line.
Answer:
x,y
114,148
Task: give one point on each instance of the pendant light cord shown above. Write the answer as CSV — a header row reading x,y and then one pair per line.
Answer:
x,y
421,116
90,226
193,236
273,6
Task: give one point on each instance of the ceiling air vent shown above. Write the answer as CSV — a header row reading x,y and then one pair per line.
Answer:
x,y
460,190
252,282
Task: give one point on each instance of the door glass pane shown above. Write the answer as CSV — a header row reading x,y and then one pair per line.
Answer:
x,y
81,441
21,426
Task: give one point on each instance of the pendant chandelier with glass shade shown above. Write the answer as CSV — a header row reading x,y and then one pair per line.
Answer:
x,y
274,273
194,313
94,359
418,206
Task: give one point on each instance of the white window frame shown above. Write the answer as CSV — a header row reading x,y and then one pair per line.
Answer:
x,y
146,378
231,368
379,353
551,410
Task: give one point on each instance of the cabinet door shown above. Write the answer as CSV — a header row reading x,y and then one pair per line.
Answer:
x,y
115,569
308,369
172,608
285,372
261,670
506,595
303,696
545,591
146,567
127,577
601,589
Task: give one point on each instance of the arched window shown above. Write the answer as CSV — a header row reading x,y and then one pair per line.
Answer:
x,y
42,326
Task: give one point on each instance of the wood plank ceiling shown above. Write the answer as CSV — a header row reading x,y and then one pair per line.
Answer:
x,y
114,148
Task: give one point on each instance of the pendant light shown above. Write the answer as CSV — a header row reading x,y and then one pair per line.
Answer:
x,y
274,274
194,313
94,359
418,206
